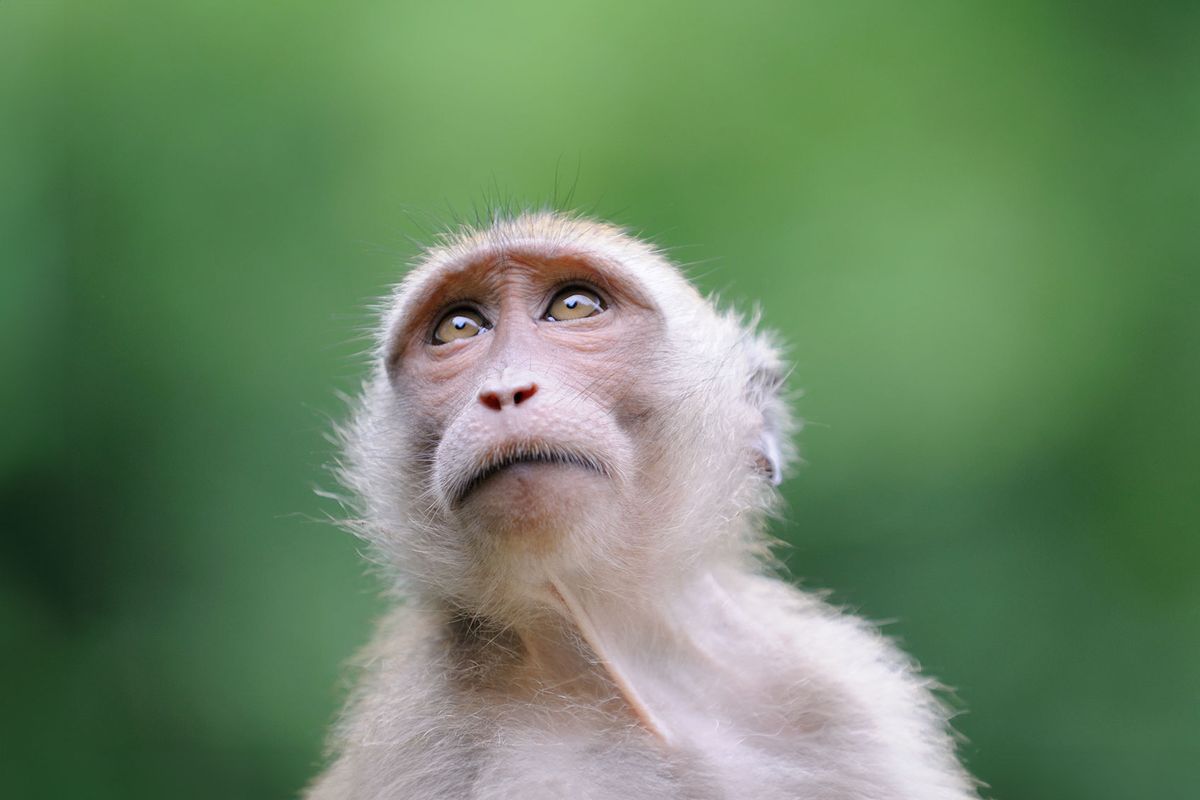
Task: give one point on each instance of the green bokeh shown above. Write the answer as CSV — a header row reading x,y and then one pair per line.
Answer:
x,y
977,225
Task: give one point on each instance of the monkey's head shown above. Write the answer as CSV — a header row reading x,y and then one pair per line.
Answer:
x,y
553,400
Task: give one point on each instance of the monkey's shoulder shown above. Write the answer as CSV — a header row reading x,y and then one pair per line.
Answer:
x,y
830,689
412,726
813,658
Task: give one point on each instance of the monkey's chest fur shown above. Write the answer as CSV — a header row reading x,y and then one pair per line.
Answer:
x,y
752,703
548,716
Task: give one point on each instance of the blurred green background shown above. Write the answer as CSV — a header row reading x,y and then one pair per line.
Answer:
x,y
976,224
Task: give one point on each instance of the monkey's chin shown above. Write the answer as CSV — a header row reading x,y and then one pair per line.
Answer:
x,y
537,503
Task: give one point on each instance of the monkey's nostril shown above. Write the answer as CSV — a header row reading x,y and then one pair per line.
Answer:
x,y
497,399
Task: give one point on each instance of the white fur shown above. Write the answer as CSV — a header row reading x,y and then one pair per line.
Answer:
x,y
642,653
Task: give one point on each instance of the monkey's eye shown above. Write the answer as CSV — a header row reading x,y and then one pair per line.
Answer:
x,y
461,323
575,302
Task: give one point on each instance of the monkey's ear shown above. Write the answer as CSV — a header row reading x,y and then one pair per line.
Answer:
x,y
765,390
770,459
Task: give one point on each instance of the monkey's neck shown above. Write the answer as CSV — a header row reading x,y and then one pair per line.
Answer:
x,y
647,658
609,643
657,661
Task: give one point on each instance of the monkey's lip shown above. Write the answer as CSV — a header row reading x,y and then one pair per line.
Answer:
x,y
525,453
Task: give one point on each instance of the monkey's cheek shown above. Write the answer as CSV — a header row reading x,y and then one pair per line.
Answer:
x,y
537,505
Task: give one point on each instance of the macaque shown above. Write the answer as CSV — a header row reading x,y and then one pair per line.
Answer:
x,y
562,461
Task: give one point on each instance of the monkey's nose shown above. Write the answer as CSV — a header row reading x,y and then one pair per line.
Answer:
x,y
498,396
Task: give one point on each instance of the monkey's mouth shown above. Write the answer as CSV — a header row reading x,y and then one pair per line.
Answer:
x,y
525,453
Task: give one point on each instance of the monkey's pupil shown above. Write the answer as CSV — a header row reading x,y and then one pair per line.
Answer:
x,y
460,323
572,302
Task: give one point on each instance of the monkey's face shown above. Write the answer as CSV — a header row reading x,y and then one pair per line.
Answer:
x,y
554,397
524,377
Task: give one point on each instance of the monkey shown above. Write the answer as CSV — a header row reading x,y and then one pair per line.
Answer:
x,y
563,460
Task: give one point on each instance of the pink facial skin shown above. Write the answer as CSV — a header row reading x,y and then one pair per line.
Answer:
x,y
560,397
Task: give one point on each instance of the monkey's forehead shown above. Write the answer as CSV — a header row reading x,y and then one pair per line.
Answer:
x,y
539,236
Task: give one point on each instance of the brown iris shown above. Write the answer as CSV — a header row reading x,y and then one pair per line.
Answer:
x,y
575,302
461,323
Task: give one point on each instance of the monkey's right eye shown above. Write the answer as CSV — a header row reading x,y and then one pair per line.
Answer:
x,y
461,323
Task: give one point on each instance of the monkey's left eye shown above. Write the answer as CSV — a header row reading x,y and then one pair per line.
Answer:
x,y
575,303
461,323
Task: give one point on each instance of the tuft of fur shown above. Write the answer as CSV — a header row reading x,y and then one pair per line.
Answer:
x,y
645,654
